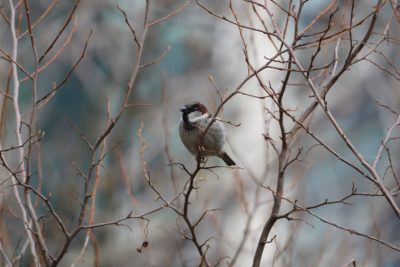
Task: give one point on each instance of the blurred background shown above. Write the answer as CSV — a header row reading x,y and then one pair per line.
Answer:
x,y
200,46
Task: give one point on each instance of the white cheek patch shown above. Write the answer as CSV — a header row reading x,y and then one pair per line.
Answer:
x,y
193,115
197,116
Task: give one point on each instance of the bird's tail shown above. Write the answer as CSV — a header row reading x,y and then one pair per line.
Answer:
x,y
226,159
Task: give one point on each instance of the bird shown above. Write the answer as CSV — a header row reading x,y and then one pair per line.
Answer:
x,y
195,120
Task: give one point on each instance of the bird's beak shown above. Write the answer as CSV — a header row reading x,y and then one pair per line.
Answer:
x,y
184,109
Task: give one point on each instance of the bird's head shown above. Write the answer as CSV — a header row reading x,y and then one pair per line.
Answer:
x,y
194,107
194,112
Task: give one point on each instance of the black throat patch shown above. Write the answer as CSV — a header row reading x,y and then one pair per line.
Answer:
x,y
187,125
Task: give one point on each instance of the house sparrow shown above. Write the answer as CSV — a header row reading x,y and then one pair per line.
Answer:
x,y
195,119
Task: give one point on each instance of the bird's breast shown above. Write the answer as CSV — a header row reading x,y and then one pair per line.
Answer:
x,y
212,142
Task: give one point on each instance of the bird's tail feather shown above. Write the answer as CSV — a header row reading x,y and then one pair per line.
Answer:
x,y
226,159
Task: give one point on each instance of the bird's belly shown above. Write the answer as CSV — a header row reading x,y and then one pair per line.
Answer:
x,y
211,145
